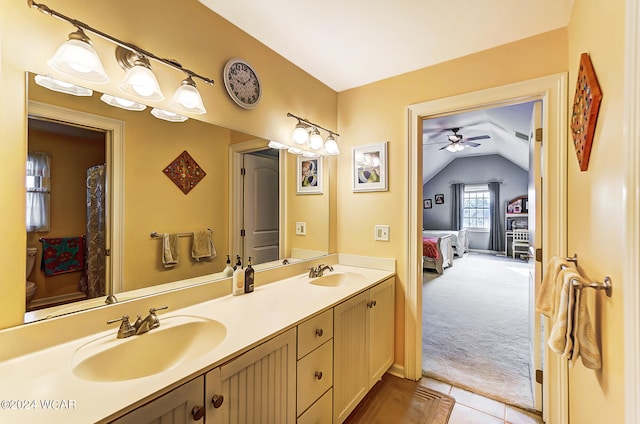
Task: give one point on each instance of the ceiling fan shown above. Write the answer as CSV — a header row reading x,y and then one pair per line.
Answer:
x,y
457,142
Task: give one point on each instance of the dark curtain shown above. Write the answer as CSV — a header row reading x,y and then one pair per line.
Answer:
x,y
495,234
457,198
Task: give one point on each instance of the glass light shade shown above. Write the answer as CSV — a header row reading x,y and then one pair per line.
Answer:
x,y
62,86
187,98
330,146
78,59
277,145
140,81
295,151
315,139
122,103
310,154
167,116
455,147
300,134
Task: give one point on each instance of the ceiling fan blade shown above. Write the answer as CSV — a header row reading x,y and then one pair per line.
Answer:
x,y
445,146
478,137
471,143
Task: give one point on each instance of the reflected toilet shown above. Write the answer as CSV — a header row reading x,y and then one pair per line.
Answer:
x,y
32,252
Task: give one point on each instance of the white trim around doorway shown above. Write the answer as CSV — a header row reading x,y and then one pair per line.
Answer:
x,y
552,90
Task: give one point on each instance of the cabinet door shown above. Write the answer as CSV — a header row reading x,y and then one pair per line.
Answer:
x,y
175,407
257,387
381,329
351,360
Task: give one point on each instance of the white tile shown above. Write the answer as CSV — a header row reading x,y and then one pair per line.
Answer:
x,y
481,403
436,385
462,414
518,416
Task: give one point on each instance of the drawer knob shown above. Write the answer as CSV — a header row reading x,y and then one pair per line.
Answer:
x,y
318,375
319,332
371,304
217,401
197,413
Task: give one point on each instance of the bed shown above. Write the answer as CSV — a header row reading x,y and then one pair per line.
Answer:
x,y
437,252
459,239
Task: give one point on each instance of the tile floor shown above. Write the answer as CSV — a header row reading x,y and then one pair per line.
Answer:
x,y
471,408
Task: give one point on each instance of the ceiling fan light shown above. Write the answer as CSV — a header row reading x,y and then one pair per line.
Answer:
x,y
76,57
187,98
47,81
300,134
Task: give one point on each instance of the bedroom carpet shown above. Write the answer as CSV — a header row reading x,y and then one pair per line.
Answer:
x,y
400,401
475,327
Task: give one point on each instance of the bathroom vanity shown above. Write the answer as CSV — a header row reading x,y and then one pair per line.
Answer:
x,y
297,349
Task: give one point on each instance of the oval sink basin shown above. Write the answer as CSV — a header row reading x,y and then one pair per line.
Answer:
x,y
177,340
336,279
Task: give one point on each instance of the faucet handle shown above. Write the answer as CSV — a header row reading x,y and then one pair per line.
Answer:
x,y
155,321
125,329
153,310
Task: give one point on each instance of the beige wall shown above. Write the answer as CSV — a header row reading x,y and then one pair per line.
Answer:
x,y
596,209
376,113
29,38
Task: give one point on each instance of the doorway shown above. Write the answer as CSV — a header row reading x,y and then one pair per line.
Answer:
x,y
476,314
551,90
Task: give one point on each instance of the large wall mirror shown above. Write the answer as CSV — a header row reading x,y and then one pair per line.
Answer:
x,y
107,187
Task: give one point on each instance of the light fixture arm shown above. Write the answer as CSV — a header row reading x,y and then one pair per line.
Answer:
x,y
311,124
81,25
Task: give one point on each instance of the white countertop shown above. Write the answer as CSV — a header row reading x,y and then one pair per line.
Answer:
x,y
29,381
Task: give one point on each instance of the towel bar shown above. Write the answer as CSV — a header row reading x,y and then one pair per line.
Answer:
x,y
605,285
156,235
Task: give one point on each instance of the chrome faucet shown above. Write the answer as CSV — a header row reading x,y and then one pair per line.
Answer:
x,y
141,326
319,270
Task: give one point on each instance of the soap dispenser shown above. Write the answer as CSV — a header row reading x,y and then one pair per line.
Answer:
x,y
228,271
248,277
238,279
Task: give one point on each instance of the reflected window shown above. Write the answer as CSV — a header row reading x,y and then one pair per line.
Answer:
x,y
38,185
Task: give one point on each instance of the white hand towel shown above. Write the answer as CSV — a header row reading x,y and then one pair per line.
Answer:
x,y
169,250
585,343
560,339
202,247
546,301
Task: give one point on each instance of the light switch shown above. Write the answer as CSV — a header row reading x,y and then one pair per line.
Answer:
x,y
381,232
301,228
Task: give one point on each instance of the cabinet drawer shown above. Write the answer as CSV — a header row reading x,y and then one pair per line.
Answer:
x,y
315,331
315,375
320,412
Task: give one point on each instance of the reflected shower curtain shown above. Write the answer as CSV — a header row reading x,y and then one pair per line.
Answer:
x,y
96,232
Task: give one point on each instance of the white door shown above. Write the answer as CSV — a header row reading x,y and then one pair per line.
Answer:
x,y
261,212
535,242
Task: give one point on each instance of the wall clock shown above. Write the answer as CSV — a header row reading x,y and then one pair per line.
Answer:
x,y
586,104
242,83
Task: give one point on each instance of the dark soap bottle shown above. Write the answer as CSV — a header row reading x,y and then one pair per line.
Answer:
x,y
248,277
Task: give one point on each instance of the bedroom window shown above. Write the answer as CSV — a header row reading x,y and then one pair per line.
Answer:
x,y
476,207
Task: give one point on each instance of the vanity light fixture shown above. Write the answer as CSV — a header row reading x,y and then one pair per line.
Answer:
x,y
122,103
275,145
139,79
307,138
167,115
187,97
51,83
77,58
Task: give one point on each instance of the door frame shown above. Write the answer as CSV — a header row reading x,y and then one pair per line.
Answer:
x,y
114,149
552,90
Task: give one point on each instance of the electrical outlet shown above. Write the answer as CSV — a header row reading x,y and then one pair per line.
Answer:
x,y
381,233
301,228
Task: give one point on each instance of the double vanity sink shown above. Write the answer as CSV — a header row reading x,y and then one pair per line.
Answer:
x,y
188,342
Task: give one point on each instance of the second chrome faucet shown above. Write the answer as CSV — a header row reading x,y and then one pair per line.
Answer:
x,y
140,326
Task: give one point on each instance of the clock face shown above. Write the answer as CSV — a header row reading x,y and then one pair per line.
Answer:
x,y
242,83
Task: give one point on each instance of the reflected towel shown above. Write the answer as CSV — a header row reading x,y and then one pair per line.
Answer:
x,y
572,334
202,247
61,255
169,250
546,302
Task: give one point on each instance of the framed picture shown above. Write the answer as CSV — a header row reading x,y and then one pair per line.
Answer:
x,y
309,175
586,103
427,203
439,199
370,167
